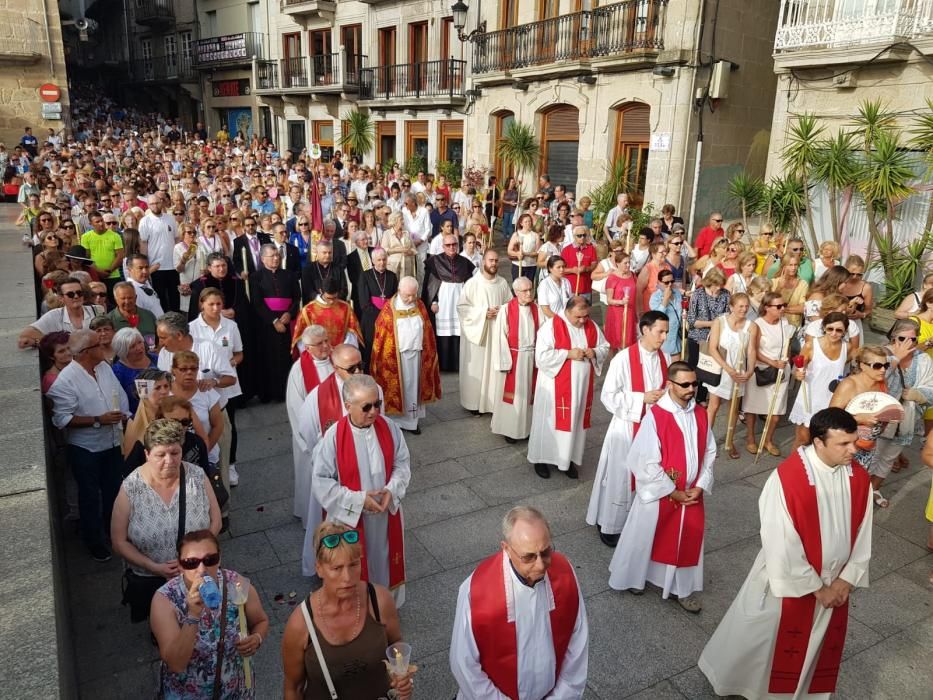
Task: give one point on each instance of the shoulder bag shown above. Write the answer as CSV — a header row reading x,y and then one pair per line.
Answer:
x,y
767,375
709,371
305,610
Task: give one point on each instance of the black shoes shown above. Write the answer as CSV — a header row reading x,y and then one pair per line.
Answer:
x,y
609,540
510,440
543,470
572,472
416,431
475,413
100,553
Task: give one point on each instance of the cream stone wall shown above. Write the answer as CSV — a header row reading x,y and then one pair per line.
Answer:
x,y
25,64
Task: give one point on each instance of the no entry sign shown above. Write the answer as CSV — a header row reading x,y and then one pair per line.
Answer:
x,y
49,92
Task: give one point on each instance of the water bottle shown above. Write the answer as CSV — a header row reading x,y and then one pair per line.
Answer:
x,y
210,593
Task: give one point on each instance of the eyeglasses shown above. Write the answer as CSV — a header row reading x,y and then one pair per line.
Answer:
x,y
877,365
178,213
717,221
740,230
766,233
684,385
90,347
834,329
906,339
579,235
302,225
352,369
777,306
73,295
733,250
545,555
192,563
367,407
450,245
331,541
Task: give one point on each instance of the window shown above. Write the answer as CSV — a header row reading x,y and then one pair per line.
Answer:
x,y
416,140
633,136
561,145
385,75
296,136
293,65
170,46
210,23
185,38
145,53
452,141
323,135
385,142
351,38
322,60
254,17
508,16
503,120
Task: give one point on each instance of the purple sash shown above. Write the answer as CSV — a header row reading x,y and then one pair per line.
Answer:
x,y
278,304
378,302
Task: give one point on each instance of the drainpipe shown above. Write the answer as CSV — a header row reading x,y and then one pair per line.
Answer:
x,y
48,37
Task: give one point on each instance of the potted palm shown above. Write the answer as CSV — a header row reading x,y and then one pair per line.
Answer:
x,y
359,133
519,148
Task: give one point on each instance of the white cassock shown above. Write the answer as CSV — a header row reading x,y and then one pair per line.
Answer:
x,y
737,659
346,506
409,338
536,663
631,564
513,419
295,395
545,443
611,498
476,352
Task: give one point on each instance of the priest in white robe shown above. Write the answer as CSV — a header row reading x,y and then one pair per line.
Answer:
x,y
361,473
311,368
636,379
784,633
482,297
569,350
513,362
672,460
520,628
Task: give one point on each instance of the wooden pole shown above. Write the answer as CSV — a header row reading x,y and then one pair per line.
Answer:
x,y
734,401
774,395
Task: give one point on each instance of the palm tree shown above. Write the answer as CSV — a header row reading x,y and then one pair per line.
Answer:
x,y
923,141
786,199
748,193
873,119
799,155
359,133
519,148
835,166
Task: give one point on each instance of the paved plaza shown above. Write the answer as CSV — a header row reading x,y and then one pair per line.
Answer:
x,y
463,480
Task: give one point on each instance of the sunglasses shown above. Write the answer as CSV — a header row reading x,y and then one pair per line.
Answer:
x,y
683,385
777,306
352,369
99,295
840,331
675,243
178,213
73,295
367,407
186,422
906,339
545,555
877,365
192,563
665,281
718,221
331,541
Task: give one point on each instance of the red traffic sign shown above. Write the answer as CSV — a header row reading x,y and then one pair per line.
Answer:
x,y
49,92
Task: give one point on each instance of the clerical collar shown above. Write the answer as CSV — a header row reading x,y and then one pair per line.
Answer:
x,y
521,579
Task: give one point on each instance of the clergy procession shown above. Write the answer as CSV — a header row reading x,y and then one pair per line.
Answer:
x,y
590,351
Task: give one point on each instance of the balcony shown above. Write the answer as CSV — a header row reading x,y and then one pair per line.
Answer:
x,y
229,51
309,8
154,13
22,42
630,30
163,69
330,73
430,83
822,32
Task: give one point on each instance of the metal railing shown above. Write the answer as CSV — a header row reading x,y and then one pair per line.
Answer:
x,y
804,24
163,69
22,38
321,71
230,49
294,72
624,27
426,79
153,10
335,69
267,75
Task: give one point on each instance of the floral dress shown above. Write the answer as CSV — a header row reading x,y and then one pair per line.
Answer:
x,y
197,681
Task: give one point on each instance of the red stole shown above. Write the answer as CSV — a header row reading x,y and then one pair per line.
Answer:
x,y
309,371
329,404
638,378
563,382
348,469
673,544
496,637
512,311
796,622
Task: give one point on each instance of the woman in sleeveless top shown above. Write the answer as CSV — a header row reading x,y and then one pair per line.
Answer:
x,y
648,277
354,623
769,336
911,303
857,290
744,274
188,631
619,326
675,259
523,249
730,333
825,362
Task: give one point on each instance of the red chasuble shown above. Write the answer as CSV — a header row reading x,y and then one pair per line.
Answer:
x,y
329,404
796,623
309,371
675,543
496,637
512,311
348,470
563,382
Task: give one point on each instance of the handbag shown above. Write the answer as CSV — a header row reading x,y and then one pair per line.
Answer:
x,y
767,375
708,371
217,484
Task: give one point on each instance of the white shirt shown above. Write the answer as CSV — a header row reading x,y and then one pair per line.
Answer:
x,y
159,234
417,224
58,320
76,392
146,297
227,338
410,330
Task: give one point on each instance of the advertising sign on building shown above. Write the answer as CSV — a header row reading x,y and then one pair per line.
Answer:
x,y
221,48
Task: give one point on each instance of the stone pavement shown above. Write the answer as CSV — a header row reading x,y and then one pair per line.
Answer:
x,y
463,480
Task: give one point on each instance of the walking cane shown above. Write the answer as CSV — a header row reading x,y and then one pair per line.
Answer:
x,y
684,305
245,269
773,404
625,320
734,401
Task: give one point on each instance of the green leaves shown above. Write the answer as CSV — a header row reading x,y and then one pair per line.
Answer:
x,y
834,161
359,132
519,146
803,142
887,173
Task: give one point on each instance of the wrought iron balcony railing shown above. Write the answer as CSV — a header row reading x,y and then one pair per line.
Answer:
x,y
163,69
826,24
444,78
154,12
331,72
230,49
617,29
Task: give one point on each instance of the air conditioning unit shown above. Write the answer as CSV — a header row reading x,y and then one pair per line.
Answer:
x,y
719,81
845,80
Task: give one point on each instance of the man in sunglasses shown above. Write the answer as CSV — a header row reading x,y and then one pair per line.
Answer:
x,y
784,633
361,470
708,235
635,381
797,249
672,462
520,621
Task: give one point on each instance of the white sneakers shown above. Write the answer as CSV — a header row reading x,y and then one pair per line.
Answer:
x,y
234,477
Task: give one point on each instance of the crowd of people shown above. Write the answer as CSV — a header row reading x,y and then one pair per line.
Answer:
x,y
179,277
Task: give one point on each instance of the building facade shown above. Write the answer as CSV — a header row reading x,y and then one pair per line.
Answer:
x,y
31,55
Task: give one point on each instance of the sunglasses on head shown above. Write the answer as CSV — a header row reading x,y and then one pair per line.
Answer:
x,y
192,563
684,385
877,365
331,541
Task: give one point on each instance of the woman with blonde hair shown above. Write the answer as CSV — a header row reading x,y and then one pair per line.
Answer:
x,y
792,289
730,264
764,246
828,258
401,250
859,293
744,273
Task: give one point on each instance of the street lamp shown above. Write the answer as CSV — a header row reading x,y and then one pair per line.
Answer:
x,y
459,10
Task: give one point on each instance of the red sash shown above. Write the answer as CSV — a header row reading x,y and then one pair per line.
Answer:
x,y
508,392
496,637
309,371
348,470
796,622
638,379
675,544
329,404
563,395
